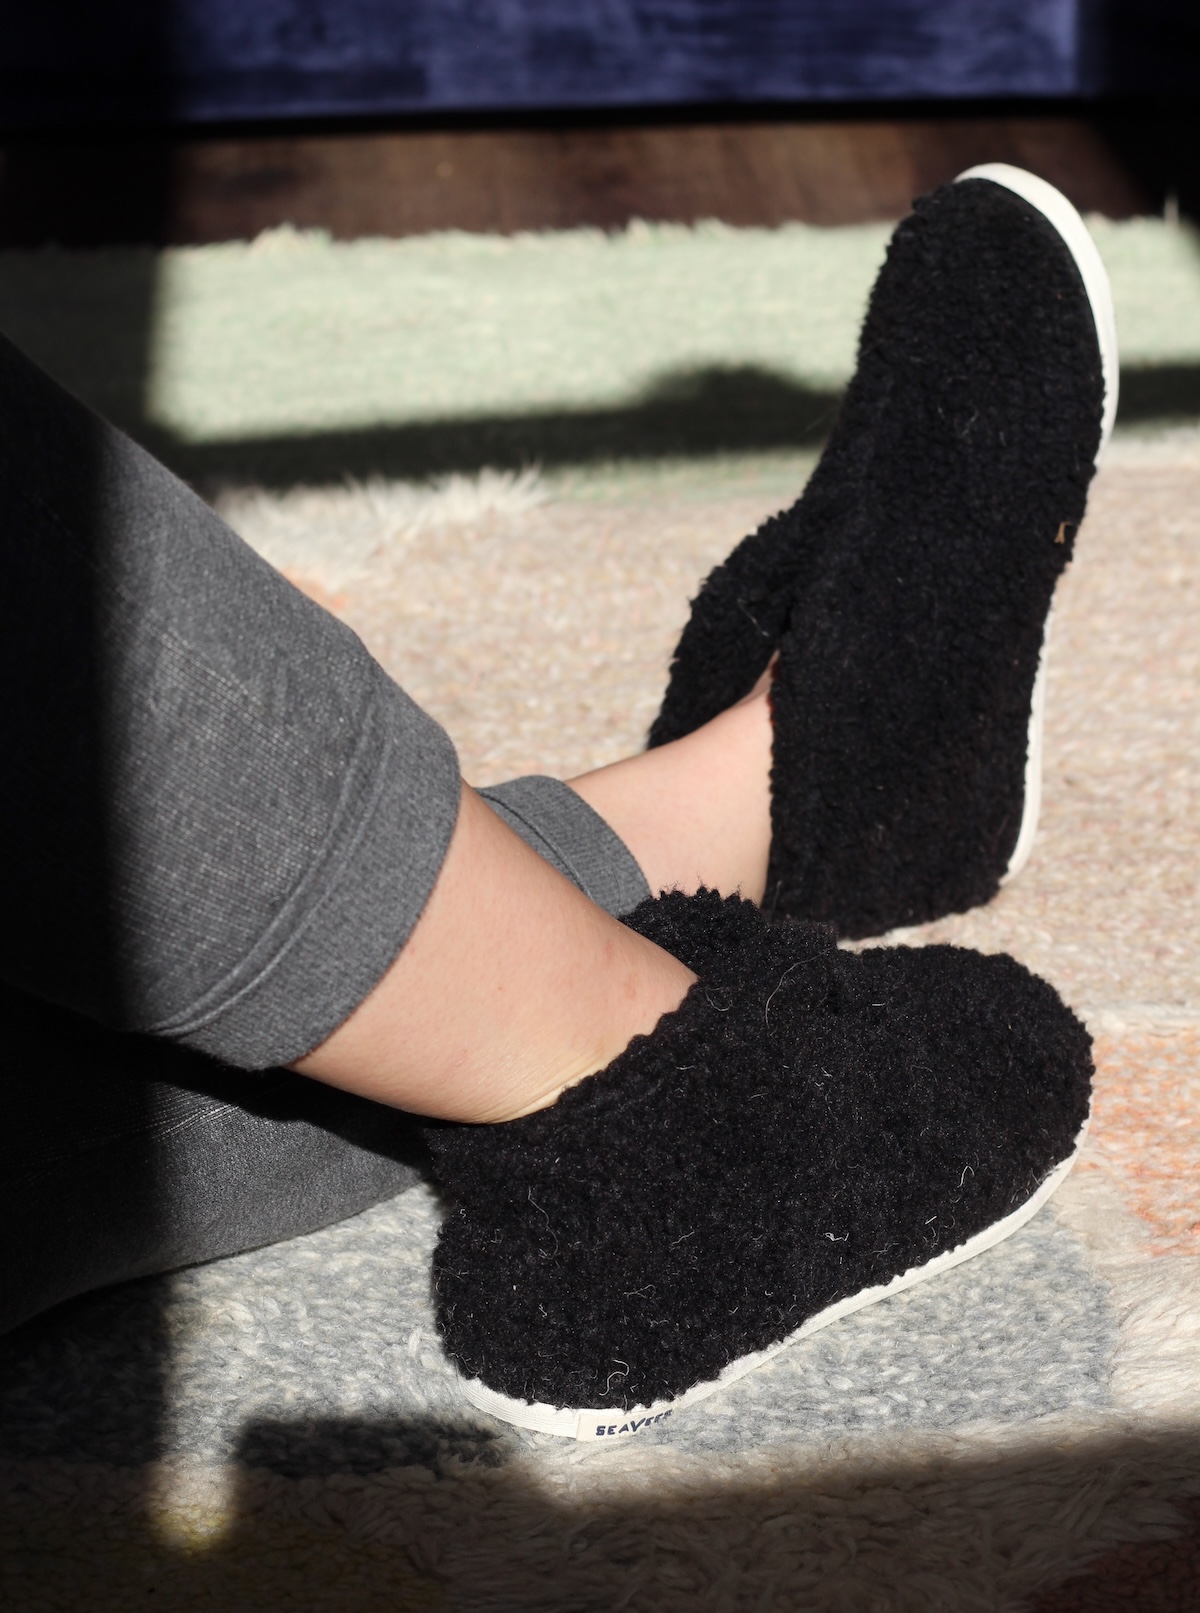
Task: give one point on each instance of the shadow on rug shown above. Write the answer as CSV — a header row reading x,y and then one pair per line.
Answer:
x,y
691,413
931,1528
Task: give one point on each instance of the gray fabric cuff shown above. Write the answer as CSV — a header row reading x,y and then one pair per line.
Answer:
x,y
334,944
572,837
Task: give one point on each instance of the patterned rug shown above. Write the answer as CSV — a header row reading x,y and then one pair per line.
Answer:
x,y
281,1430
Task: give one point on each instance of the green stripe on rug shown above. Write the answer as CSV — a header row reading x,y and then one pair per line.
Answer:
x,y
297,358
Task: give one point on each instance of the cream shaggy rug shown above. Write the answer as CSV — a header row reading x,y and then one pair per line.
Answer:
x,y
968,1446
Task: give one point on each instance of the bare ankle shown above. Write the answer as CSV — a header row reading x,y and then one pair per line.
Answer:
x,y
512,987
697,812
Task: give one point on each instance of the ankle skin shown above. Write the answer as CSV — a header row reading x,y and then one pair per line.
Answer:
x,y
697,812
512,987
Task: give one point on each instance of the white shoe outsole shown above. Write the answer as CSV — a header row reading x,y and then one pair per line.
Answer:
x,y
1053,205
604,1423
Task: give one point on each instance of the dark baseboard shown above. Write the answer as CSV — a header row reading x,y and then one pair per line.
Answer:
x,y
816,165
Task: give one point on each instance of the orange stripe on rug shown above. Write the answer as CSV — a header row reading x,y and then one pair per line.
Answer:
x,y
1146,1130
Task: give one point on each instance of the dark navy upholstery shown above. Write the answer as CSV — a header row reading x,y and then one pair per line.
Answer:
x,y
211,60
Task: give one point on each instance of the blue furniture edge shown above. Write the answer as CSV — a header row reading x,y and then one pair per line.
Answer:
x,y
66,62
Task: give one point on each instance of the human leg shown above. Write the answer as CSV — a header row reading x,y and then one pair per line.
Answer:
x,y
511,987
231,1160
208,778
208,772
124,1155
229,818
561,826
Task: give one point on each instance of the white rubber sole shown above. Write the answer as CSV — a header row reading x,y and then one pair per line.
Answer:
x,y
1053,205
603,1423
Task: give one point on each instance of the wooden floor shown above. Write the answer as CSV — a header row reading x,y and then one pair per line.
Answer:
x,y
837,171
747,173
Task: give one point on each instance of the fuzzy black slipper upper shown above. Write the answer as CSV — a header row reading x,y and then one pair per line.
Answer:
x,y
909,588
736,624
903,696
809,1123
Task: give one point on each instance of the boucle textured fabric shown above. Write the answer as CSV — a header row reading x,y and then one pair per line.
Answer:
x,y
807,1125
950,504
956,275
921,558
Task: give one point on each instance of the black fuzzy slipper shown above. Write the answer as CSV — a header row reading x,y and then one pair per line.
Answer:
x,y
908,590
810,1131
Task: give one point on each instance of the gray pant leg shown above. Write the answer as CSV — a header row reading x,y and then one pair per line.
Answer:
x,y
221,821
572,837
124,1155
221,818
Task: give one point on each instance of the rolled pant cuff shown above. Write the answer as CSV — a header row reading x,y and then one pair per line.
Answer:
x,y
360,909
572,837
